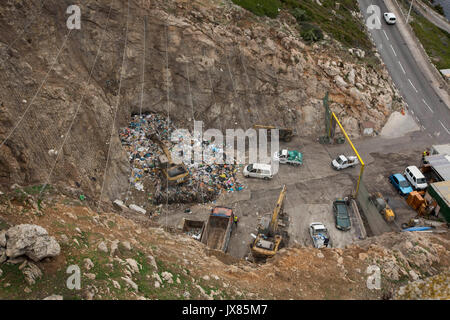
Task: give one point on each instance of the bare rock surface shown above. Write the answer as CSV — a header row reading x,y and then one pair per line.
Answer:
x,y
32,241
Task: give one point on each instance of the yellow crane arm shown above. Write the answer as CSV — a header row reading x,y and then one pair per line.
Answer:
x,y
276,211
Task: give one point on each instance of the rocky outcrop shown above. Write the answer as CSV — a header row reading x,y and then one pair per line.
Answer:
x,y
54,297
213,62
31,241
31,273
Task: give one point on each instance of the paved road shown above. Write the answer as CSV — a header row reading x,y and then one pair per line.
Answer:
x,y
431,113
432,16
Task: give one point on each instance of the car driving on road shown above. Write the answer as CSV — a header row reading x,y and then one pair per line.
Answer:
x,y
390,18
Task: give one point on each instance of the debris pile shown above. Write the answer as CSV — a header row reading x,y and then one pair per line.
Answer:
x,y
206,180
195,233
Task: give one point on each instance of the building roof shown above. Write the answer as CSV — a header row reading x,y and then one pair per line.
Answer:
x,y
445,72
442,148
443,190
441,165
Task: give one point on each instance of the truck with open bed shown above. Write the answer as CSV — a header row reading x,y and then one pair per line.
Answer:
x,y
217,232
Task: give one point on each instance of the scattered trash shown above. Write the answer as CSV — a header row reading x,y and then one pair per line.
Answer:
x,y
82,197
206,180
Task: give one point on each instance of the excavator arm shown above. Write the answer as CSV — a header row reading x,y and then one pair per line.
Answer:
x,y
276,212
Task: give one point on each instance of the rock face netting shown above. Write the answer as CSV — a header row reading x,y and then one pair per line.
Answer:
x,y
205,181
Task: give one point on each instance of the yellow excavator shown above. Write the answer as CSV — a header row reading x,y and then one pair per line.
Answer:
x,y
174,173
284,134
382,206
269,238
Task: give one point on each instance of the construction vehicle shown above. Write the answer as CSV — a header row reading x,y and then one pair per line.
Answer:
x,y
193,228
343,162
382,206
417,201
268,240
411,223
217,232
292,157
173,173
319,235
284,134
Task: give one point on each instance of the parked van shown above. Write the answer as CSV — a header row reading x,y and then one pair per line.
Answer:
x,y
258,170
415,177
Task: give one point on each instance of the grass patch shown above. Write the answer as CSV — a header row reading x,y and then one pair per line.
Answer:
x,y
313,19
435,41
269,8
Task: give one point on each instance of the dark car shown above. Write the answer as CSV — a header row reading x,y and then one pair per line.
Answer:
x,y
400,184
341,215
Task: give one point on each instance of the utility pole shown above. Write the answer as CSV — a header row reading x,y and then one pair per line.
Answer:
x,y
409,12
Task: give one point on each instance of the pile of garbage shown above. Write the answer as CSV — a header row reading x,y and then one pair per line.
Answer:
x,y
205,181
195,233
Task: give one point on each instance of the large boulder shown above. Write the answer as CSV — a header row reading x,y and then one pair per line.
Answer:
x,y
32,241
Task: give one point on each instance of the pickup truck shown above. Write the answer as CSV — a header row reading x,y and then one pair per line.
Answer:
x,y
341,215
290,157
217,232
319,235
343,162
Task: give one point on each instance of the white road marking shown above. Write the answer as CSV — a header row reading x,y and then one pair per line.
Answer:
x,y
427,105
412,85
386,35
395,54
444,127
412,111
402,67
378,18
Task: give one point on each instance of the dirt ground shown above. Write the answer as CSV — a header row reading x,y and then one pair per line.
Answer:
x,y
311,189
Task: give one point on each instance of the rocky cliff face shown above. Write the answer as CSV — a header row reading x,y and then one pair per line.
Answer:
x,y
123,258
71,91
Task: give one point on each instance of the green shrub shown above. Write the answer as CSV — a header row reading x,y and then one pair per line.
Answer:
x,y
261,8
439,9
311,33
300,15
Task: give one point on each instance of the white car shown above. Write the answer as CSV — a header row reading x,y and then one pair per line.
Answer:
x,y
343,162
390,18
319,235
258,170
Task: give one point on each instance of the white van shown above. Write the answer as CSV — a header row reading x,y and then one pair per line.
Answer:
x,y
258,170
415,177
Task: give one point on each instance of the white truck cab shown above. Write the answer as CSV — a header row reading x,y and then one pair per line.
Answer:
x,y
258,170
343,162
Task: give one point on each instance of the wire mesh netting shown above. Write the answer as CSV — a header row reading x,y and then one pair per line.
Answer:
x,y
330,122
363,198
